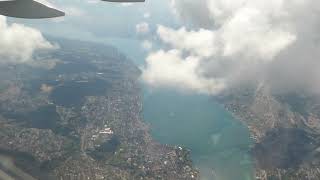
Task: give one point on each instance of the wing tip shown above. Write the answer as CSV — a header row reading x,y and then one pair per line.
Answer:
x,y
28,10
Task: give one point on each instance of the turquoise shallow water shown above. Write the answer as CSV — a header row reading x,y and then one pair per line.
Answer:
x,y
219,143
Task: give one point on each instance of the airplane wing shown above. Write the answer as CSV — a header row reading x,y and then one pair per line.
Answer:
x,y
28,9
31,9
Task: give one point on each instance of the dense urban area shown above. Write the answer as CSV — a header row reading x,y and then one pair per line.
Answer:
x,y
75,114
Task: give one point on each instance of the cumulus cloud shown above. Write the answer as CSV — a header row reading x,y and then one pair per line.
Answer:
x,y
201,43
142,28
195,12
162,71
19,42
147,45
239,40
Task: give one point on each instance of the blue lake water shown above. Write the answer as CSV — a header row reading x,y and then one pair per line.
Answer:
x,y
219,143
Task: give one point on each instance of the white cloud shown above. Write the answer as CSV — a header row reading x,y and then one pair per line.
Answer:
x,y
234,38
142,28
169,69
255,29
200,43
18,42
147,45
74,11
147,15
251,32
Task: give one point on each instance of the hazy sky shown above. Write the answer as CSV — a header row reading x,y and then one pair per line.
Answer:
x,y
199,46
93,19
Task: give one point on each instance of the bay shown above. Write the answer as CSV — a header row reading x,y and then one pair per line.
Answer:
x,y
219,143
